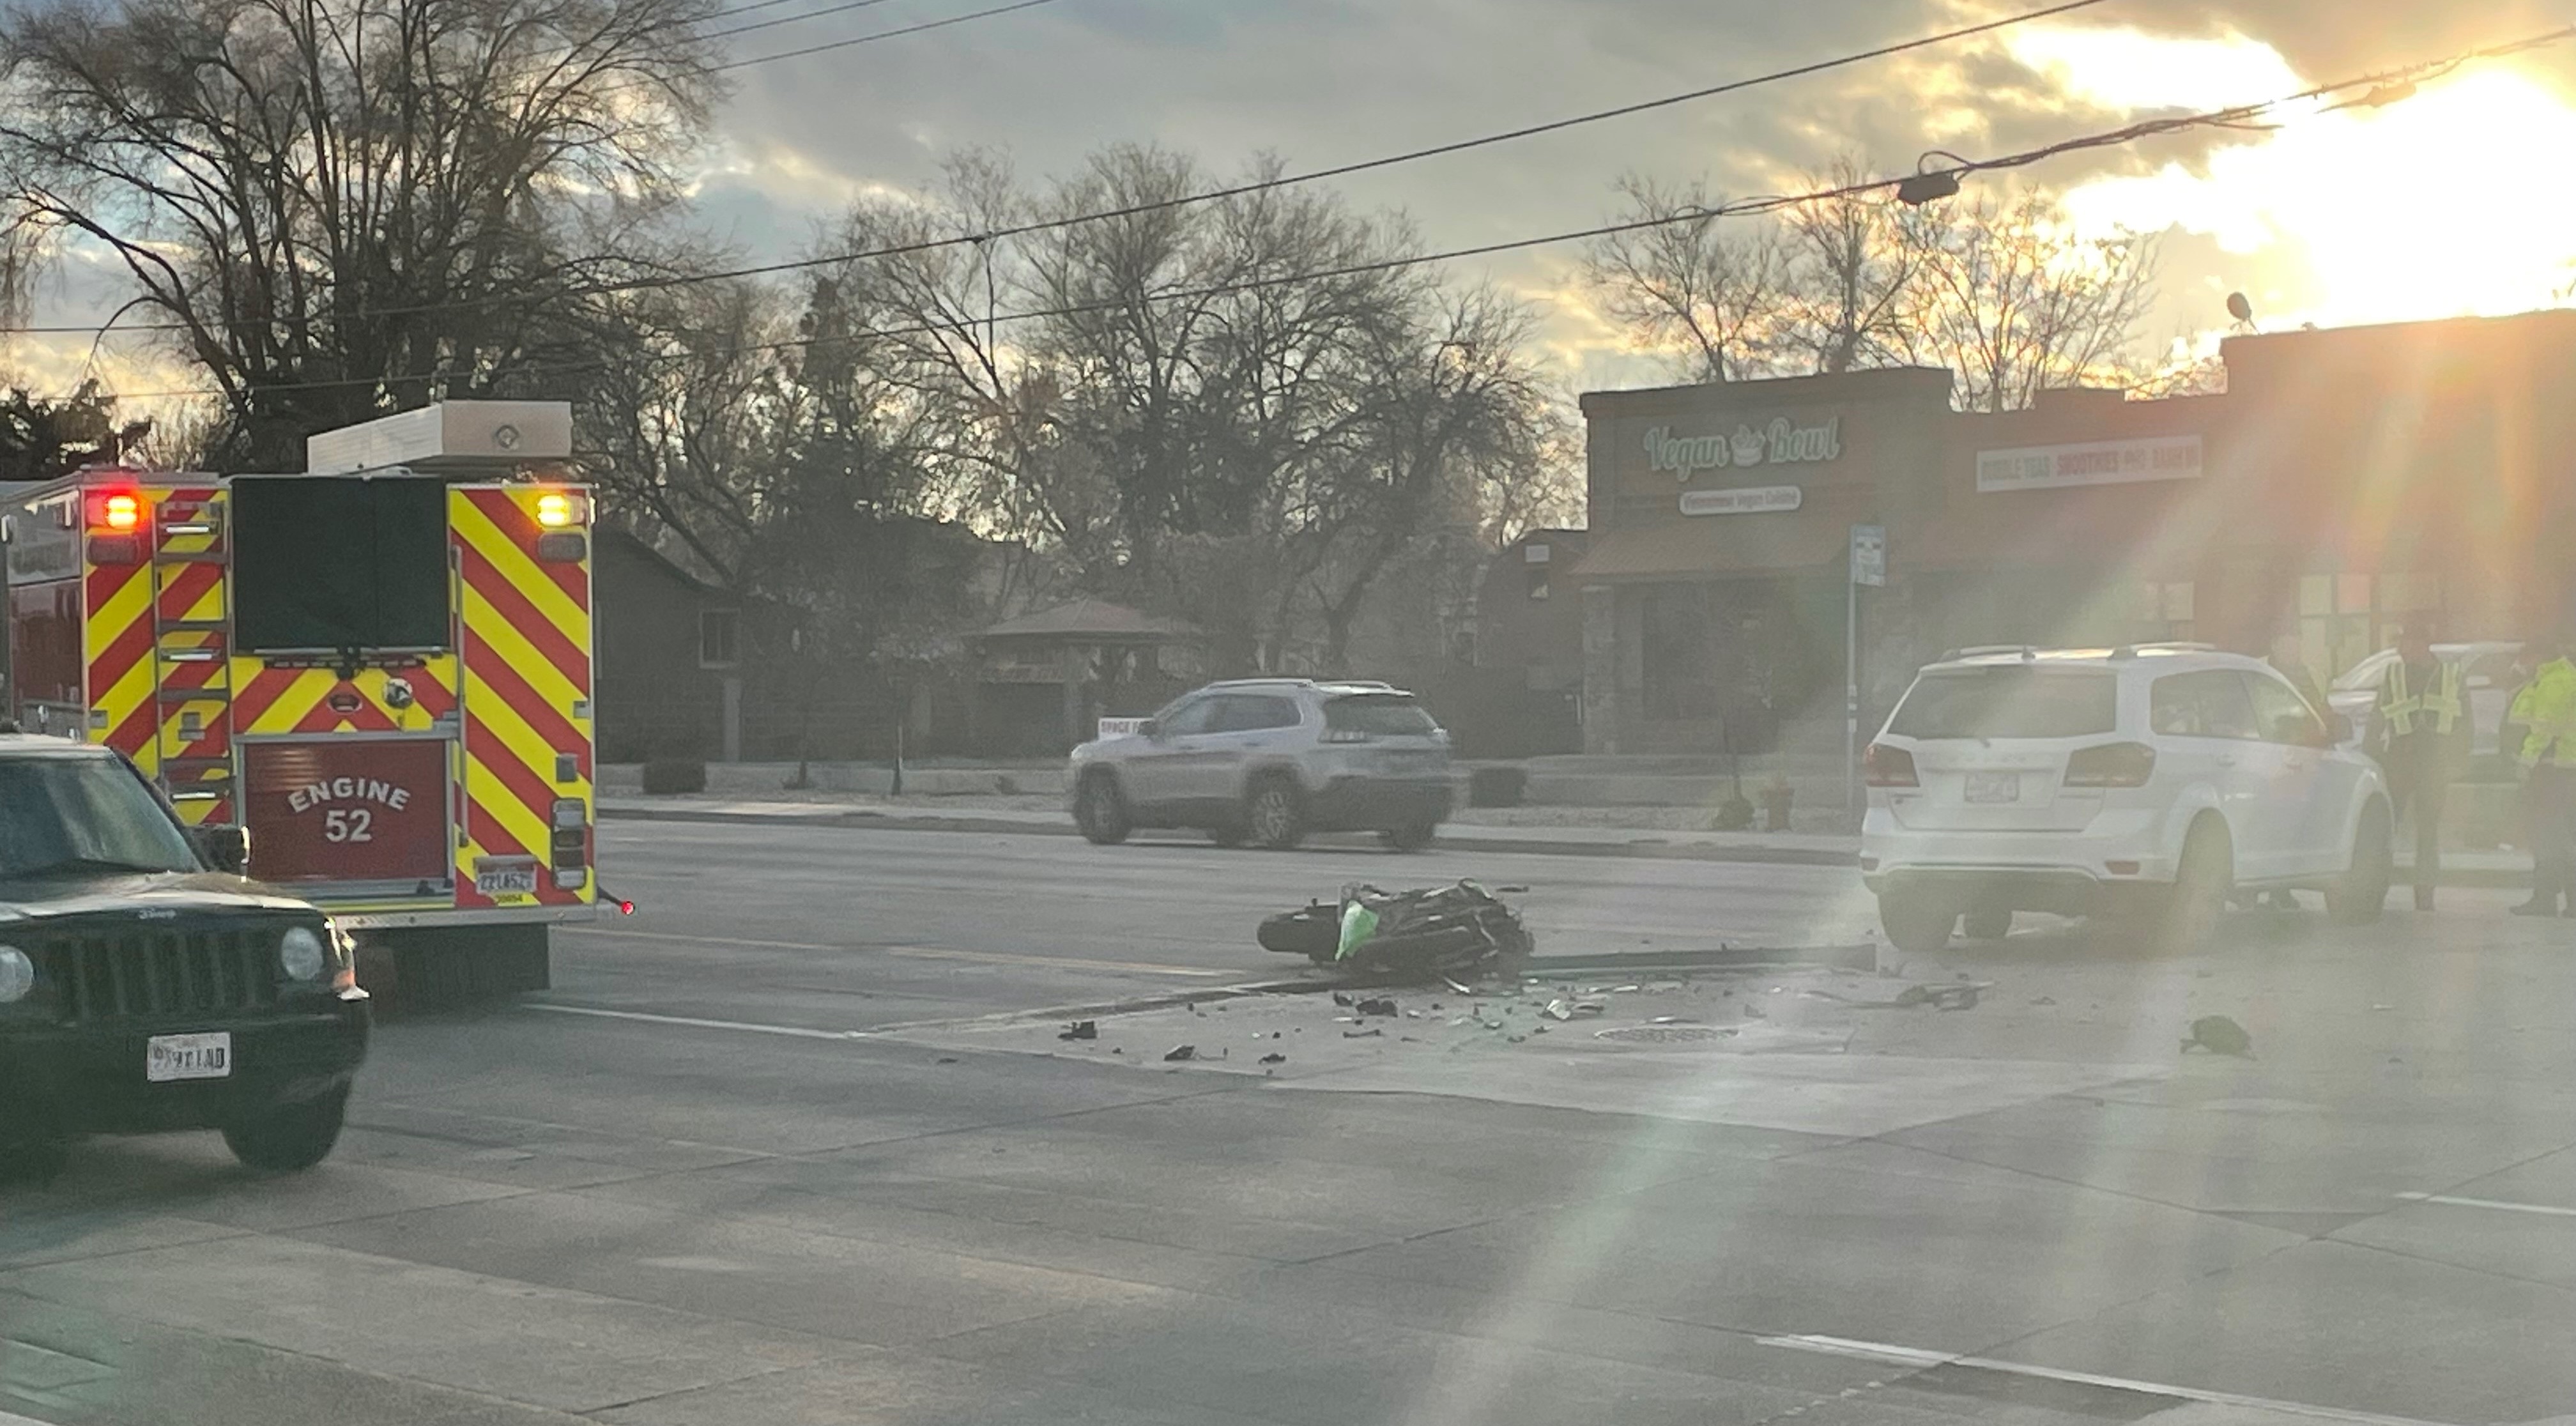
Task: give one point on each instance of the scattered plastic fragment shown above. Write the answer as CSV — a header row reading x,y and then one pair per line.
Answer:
x,y
1362,1034
1181,1052
1274,1058
1081,1030
2220,1036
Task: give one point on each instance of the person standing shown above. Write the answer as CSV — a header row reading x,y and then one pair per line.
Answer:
x,y
2546,710
2420,724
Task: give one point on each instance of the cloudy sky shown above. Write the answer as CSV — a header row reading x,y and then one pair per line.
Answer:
x,y
2452,201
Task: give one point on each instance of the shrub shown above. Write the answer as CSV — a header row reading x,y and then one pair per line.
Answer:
x,y
665,776
1735,814
1496,786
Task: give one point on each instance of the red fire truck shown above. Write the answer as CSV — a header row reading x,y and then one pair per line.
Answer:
x,y
380,667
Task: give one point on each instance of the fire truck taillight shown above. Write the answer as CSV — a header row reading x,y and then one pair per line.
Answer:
x,y
571,843
120,512
557,510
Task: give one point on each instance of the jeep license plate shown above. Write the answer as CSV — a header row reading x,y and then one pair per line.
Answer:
x,y
506,881
1994,787
207,1055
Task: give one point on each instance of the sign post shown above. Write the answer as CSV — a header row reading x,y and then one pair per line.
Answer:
x,y
1868,567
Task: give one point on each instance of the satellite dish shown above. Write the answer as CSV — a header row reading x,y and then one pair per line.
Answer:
x,y
2239,308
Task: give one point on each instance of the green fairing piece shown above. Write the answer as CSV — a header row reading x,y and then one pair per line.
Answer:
x,y
1358,924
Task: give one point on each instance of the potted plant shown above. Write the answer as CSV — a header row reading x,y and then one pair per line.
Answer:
x,y
1776,796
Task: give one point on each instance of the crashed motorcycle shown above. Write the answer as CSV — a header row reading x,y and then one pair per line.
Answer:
x,y
1459,931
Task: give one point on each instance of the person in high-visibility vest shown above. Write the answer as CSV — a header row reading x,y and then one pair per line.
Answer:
x,y
2546,710
2423,729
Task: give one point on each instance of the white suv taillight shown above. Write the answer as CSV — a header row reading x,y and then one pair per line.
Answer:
x,y
1884,766
2111,765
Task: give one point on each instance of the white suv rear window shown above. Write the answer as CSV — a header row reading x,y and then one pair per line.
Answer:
x,y
2009,701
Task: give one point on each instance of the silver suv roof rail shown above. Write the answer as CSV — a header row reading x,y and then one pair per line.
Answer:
x,y
1973,651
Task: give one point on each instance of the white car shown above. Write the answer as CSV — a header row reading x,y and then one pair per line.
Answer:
x,y
2145,781
1268,760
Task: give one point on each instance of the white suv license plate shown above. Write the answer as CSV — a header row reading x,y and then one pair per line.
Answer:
x,y
1994,787
207,1055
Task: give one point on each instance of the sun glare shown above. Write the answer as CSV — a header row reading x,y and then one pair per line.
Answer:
x,y
2438,205
2124,69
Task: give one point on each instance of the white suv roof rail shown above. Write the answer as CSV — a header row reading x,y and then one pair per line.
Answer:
x,y
2164,646
1973,651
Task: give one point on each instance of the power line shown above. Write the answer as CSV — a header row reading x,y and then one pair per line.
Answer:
x,y
2235,117
1186,200
789,19
879,35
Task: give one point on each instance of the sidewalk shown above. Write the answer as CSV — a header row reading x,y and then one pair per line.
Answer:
x,y
2459,868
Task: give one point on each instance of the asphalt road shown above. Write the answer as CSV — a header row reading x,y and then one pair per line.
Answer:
x,y
762,1157
848,928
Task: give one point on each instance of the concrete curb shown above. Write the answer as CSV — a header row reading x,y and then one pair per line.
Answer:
x,y
1456,839
1451,839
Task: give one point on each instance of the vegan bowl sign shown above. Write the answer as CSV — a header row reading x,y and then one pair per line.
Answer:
x,y
1782,442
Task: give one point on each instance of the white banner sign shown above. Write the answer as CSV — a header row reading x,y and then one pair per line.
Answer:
x,y
2091,463
1744,500
1120,727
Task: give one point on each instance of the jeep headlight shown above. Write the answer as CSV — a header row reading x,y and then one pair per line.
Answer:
x,y
17,975
300,954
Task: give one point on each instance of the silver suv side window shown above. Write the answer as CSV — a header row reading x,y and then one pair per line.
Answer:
x,y
1196,716
2207,704
1249,713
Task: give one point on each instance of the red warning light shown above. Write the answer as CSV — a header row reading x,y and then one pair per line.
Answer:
x,y
121,511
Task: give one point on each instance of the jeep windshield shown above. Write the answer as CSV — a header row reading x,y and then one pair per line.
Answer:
x,y
71,814
2008,701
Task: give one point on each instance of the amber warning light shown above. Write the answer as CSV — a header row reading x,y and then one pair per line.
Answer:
x,y
555,510
121,511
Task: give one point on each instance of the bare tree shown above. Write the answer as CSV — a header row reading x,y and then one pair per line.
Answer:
x,y
2015,302
1855,262
1715,292
346,205
1241,411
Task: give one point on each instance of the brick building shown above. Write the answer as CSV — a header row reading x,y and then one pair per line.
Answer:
x,y
2347,482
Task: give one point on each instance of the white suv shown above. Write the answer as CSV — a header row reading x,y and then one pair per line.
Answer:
x,y
2150,780
1268,760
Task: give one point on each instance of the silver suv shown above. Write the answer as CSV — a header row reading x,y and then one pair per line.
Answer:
x,y
1268,760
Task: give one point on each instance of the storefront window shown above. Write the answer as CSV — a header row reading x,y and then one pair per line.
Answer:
x,y
2345,618
2163,612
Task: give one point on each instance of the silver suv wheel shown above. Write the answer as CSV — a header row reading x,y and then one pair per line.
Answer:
x,y
1273,816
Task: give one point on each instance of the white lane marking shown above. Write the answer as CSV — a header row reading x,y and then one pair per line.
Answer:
x,y
2544,1209
924,953
793,1031
1919,1357
937,953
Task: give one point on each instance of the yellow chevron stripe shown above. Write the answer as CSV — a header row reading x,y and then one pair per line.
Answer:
x,y
515,817
543,678
532,583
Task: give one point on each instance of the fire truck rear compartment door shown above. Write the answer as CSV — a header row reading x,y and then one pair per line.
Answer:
x,y
348,810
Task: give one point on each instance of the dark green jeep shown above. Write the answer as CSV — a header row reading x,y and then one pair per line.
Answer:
x,y
146,985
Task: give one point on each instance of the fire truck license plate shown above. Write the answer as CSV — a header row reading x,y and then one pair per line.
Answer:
x,y
507,881
201,1056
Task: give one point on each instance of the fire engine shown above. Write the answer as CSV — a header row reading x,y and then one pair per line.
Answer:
x,y
379,667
